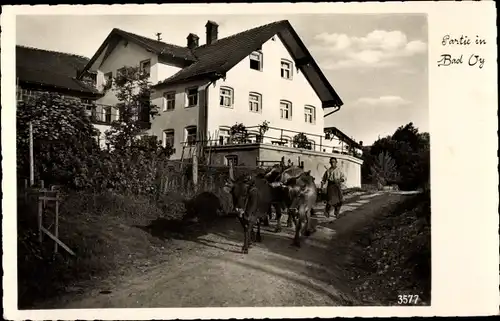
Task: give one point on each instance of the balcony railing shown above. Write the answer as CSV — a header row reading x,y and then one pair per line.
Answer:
x,y
279,137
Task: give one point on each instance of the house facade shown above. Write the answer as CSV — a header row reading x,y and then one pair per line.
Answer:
x,y
39,70
264,74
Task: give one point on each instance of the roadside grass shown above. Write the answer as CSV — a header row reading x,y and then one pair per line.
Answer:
x,y
106,232
391,255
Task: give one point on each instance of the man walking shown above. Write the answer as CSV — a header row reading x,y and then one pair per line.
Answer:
x,y
333,178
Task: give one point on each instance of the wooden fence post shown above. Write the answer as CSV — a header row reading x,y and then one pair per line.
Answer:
x,y
231,171
195,169
56,228
42,185
40,219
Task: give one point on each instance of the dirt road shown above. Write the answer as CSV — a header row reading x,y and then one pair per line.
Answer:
x,y
210,271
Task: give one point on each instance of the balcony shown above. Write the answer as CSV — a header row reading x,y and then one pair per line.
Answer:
x,y
277,137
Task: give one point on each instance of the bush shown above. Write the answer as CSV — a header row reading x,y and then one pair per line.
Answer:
x,y
395,254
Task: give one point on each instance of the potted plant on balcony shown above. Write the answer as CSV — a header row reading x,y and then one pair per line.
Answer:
x,y
263,128
238,134
301,141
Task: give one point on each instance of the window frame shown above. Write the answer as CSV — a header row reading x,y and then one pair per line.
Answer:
x,y
120,71
261,59
230,96
290,70
106,79
187,135
166,100
141,66
227,158
188,95
312,114
259,101
164,140
289,104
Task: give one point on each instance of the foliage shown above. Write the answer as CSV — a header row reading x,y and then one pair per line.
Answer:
x,y
384,169
264,127
63,138
133,90
411,153
238,133
394,254
301,141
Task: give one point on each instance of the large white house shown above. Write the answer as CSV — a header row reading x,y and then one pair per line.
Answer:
x,y
261,74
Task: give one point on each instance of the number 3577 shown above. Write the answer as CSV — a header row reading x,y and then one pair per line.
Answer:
x,y
407,299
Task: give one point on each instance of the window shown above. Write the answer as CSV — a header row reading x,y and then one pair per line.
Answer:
x,y
309,114
312,145
255,102
226,97
256,60
169,101
145,66
286,69
168,138
108,79
120,71
191,135
232,159
285,110
107,114
192,97
224,136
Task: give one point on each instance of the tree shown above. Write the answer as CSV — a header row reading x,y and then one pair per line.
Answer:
x,y
64,140
384,169
136,160
133,90
410,151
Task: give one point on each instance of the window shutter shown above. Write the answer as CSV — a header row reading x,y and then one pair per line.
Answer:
x,y
186,100
164,102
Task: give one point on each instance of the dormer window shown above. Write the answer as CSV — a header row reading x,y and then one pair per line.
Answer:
x,y
146,67
286,69
256,60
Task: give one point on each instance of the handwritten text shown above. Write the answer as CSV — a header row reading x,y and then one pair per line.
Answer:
x,y
473,59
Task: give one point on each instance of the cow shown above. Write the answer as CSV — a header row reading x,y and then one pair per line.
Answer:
x,y
279,175
303,193
252,199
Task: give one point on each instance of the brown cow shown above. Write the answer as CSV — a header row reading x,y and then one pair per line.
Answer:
x,y
277,176
252,198
303,193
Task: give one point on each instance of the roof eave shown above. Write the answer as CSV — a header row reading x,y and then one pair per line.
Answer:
x,y
89,92
336,101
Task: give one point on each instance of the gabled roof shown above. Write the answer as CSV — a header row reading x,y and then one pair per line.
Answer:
x,y
160,48
51,69
216,59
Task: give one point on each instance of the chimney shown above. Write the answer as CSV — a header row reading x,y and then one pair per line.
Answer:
x,y
192,41
211,27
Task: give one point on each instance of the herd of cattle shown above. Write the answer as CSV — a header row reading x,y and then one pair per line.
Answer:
x,y
284,188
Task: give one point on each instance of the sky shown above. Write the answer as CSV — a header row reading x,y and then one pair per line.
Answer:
x,y
378,64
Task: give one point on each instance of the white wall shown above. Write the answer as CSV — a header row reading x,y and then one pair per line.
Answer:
x,y
129,54
273,88
179,118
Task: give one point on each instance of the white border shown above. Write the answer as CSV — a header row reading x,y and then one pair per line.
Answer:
x,y
463,127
